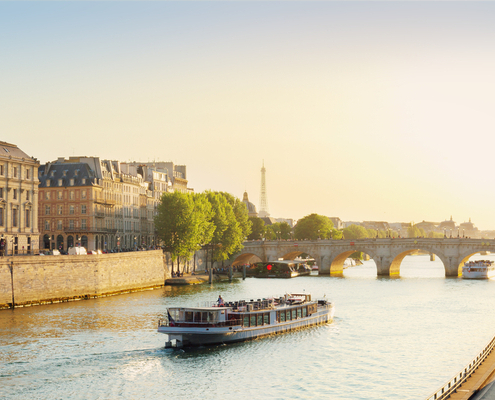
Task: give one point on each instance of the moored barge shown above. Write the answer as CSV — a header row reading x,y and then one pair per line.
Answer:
x,y
241,320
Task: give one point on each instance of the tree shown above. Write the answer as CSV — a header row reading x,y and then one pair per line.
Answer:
x,y
312,227
241,215
257,228
228,236
180,224
355,232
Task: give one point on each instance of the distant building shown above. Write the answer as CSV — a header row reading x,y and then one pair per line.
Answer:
x,y
376,225
337,222
263,198
251,208
18,200
447,227
467,229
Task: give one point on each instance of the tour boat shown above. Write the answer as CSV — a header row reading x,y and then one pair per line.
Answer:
x,y
480,269
242,320
279,269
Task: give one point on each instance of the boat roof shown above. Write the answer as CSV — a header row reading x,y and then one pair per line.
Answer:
x,y
201,308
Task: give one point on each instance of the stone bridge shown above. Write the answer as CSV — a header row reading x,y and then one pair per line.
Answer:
x,y
387,253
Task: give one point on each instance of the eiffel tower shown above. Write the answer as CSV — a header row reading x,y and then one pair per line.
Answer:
x,y
263,202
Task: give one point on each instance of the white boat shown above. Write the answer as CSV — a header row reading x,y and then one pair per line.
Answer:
x,y
242,320
479,269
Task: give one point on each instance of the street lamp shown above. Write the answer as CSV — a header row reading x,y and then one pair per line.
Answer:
x,y
118,243
135,243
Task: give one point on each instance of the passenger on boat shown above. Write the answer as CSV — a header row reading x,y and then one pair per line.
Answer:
x,y
220,301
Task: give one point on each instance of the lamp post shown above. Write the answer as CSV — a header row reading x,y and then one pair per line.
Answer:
x,y
135,243
118,244
399,233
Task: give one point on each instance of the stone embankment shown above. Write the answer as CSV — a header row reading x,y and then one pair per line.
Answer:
x,y
35,280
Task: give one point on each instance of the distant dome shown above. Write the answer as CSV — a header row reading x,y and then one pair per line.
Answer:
x,y
250,206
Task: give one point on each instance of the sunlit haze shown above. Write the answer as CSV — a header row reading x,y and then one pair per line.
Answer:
x,y
360,110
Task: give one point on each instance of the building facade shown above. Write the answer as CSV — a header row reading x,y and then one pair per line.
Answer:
x,y
18,201
101,204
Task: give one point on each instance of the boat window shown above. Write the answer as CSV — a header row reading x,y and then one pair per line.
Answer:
x,y
260,319
266,320
294,313
189,316
304,311
253,320
287,317
246,320
299,312
212,317
282,316
204,316
197,316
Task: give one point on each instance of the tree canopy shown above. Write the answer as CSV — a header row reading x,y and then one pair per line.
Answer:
x,y
186,222
312,227
258,228
181,223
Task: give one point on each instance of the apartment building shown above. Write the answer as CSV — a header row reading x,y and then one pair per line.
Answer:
x,y
18,201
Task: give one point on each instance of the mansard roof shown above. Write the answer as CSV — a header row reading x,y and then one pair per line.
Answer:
x,y
9,150
53,172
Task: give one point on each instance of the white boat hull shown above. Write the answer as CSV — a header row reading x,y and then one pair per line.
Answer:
x,y
182,336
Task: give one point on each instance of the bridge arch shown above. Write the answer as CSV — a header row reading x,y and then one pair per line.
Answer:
x,y
335,263
397,259
246,258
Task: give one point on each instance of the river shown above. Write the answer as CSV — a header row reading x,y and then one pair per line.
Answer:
x,y
396,338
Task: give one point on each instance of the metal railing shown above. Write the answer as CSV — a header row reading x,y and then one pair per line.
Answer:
x,y
462,376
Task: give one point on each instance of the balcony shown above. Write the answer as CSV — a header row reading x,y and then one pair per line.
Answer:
x,y
89,230
99,214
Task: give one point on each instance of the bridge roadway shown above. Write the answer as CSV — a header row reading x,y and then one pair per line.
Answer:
x,y
387,253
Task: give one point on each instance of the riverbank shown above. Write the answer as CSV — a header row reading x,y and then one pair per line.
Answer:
x,y
200,278
36,280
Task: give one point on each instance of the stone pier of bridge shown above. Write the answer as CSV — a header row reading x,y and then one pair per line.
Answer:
x,y
387,253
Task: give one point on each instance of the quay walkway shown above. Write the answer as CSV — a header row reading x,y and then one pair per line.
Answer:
x,y
474,382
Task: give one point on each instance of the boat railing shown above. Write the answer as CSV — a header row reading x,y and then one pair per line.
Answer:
x,y
219,324
462,376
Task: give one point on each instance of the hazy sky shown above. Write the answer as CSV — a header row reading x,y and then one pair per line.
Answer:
x,y
360,110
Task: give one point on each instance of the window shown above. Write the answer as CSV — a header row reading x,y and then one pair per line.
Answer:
x,y
71,195
14,217
60,195
14,172
27,195
260,319
266,320
48,183
47,195
1,193
71,223
60,210
59,225
47,210
28,173
83,208
47,225
253,320
28,218
72,182
1,216
71,209
60,182
15,194
1,169
83,194
83,224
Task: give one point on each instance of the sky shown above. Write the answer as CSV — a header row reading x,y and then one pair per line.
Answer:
x,y
359,110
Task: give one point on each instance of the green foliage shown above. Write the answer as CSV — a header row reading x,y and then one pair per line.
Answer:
x,y
336,234
180,223
414,231
356,232
257,228
282,230
270,233
435,235
312,227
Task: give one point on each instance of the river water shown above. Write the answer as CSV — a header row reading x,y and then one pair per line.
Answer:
x,y
396,338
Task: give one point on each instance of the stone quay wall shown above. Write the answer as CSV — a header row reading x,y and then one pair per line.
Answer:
x,y
50,279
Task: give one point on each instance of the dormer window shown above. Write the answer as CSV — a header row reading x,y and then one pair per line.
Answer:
x,y
48,183
65,172
72,182
83,181
52,173
60,182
